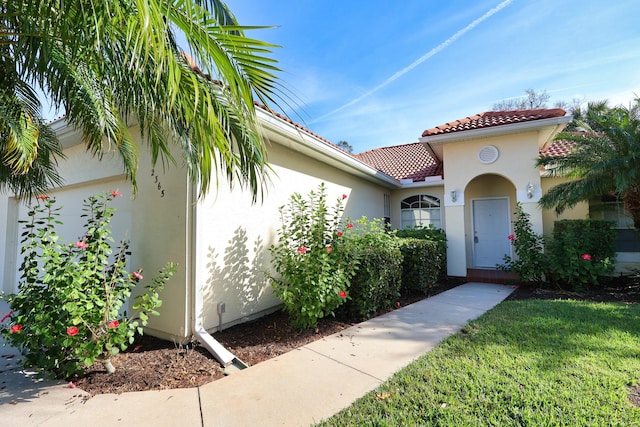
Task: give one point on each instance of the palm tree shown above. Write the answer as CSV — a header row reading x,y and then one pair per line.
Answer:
x,y
605,159
107,64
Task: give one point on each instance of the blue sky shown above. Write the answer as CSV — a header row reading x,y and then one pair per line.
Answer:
x,y
378,73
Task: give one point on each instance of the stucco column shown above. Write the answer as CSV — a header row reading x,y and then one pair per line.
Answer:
x,y
456,247
535,216
529,203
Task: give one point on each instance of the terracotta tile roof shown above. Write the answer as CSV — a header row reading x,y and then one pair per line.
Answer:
x,y
494,118
408,161
558,148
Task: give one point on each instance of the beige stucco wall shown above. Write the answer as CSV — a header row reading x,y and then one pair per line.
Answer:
x,y
220,242
233,235
83,176
161,220
580,211
154,225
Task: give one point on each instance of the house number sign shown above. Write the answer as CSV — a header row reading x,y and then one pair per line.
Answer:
x,y
160,189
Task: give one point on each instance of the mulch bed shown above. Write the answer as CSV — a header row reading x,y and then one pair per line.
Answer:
x,y
154,364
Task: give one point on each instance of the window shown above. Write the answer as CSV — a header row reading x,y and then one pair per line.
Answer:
x,y
611,208
420,211
387,209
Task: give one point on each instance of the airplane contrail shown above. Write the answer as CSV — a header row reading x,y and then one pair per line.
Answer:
x,y
420,60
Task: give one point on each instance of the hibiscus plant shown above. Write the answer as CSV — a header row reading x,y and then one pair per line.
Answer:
x,y
69,310
311,259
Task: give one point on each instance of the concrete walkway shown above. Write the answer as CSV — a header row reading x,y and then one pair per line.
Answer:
x,y
298,388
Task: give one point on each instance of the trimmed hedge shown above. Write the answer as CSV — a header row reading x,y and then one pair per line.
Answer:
x,y
423,264
434,235
377,282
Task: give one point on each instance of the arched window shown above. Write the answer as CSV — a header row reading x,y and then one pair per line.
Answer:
x,y
420,211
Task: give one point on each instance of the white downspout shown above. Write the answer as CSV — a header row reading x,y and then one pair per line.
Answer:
x,y
221,354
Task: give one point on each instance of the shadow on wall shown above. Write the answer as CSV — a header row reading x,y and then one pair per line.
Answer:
x,y
238,280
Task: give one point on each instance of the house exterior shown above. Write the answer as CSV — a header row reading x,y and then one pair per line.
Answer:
x,y
464,177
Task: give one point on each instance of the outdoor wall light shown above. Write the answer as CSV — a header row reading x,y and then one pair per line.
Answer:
x,y
529,190
454,195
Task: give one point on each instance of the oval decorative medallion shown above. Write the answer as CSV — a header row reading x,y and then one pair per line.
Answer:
x,y
488,154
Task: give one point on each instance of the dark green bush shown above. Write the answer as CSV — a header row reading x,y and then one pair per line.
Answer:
x,y
581,252
423,264
595,237
578,255
433,235
376,284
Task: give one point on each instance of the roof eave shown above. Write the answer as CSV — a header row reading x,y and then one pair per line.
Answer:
x,y
68,135
430,181
493,131
319,150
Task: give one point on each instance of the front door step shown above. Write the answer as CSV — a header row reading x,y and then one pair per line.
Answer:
x,y
488,275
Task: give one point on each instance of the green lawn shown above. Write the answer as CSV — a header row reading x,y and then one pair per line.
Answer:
x,y
524,363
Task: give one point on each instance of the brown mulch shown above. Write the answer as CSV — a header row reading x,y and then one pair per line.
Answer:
x,y
621,290
154,364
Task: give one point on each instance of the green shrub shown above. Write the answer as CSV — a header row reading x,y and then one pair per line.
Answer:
x,y
311,261
579,255
595,237
581,252
376,284
434,235
69,311
422,264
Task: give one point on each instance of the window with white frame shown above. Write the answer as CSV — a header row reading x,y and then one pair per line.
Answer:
x,y
421,211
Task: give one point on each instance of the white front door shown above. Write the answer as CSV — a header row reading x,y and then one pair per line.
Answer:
x,y
490,230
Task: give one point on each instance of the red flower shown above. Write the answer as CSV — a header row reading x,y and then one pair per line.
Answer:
x,y
586,257
16,328
137,275
81,244
115,193
113,324
72,331
42,197
302,250
6,316
511,237
342,294
398,304
344,196
349,225
329,249
339,234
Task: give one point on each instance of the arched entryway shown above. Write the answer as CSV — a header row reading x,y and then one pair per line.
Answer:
x,y
491,201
